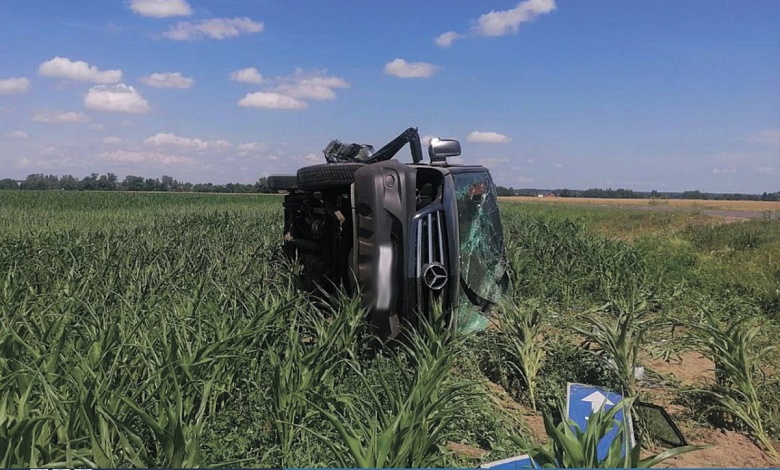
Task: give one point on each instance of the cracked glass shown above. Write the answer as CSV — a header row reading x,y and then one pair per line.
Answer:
x,y
482,262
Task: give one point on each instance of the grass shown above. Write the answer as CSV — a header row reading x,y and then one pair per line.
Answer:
x,y
155,330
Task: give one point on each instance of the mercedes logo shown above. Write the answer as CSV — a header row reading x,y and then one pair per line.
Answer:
x,y
435,276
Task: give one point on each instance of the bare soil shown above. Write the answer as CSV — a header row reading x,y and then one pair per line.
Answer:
x,y
688,204
691,369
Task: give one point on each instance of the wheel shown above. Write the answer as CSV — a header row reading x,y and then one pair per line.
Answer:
x,y
285,182
328,175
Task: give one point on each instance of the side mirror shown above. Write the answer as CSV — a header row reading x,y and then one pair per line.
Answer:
x,y
440,149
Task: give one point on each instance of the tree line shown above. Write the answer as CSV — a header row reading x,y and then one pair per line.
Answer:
x,y
110,182
621,193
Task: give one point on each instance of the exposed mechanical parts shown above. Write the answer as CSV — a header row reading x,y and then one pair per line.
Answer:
x,y
403,235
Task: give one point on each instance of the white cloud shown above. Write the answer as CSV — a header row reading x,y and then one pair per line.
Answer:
x,y
316,85
163,139
18,135
215,28
168,80
50,151
113,140
251,147
403,69
723,171
446,39
78,70
289,92
52,160
310,158
128,156
499,23
270,100
488,137
425,140
766,169
769,137
14,85
119,98
161,8
58,117
247,75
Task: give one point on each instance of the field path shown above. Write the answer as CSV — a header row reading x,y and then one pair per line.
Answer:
x,y
726,209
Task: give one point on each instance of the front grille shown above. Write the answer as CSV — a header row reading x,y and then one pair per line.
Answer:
x,y
431,255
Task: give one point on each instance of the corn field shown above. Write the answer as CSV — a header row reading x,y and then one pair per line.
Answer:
x,y
164,330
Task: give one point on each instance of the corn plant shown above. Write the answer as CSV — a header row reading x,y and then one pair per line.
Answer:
x,y
569,446
620,339
409,433
522,343
737,363
308,358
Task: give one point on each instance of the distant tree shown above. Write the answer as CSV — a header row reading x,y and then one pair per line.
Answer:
x,y
89,183
261,186
594,193
36,181
8,183
107,182
69,183
152,185
167,183
203,188
52,182
133,183
692,195
503,191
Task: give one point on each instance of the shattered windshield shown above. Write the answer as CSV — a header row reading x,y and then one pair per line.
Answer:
x,y
482,264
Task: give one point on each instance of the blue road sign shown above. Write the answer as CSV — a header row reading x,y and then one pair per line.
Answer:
x,y
584,400
512,463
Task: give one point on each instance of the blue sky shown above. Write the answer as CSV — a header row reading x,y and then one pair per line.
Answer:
x,y
666,95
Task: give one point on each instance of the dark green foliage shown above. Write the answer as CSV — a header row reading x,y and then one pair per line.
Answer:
x,y
150,330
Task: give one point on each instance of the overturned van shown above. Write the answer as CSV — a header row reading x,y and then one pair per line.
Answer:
x,y
409,234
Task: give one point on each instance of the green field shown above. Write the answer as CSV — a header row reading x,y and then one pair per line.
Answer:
x,y
159,330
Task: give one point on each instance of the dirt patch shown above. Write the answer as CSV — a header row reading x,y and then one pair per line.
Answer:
x,y
690,204
531,419
691,368
466,451
728,449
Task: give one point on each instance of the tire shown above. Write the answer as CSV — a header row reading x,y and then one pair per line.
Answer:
x,y
282,182
328,175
